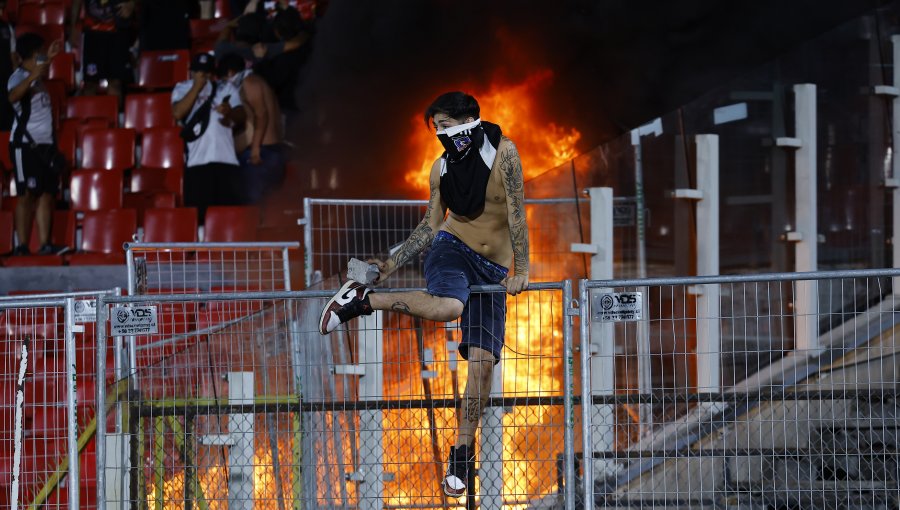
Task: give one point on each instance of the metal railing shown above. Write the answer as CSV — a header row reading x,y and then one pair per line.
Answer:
x,y
364,417
702,394
47,407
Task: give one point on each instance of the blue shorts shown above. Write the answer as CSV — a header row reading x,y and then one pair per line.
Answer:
x,y
451,268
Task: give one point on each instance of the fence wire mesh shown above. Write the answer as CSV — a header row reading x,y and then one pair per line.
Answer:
x,y
721,396
254,408
339,229
35,407
178,268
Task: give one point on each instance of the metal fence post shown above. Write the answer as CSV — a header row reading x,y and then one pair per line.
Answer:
x,y
490,448
708,338
805,231
306,221
569,391
102,319
599,338
371,423
71,396
895,166
587,441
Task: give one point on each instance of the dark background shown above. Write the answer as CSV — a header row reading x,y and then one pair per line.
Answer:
x,y
615,65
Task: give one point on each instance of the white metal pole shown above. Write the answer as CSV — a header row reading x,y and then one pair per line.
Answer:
x,y
603,336
806,301
491,448
71,397
708,339
371,388
240,435
895,165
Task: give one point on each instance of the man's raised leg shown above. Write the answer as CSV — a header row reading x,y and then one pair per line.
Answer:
x,y
355,299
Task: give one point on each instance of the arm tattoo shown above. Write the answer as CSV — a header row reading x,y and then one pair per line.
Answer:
x,y
420,237
511,166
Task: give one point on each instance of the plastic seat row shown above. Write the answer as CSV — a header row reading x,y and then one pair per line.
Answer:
x,y
104,232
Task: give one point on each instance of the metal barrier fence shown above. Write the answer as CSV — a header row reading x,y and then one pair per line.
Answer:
x,y
702,396
176,268
256,409
47,405
337,229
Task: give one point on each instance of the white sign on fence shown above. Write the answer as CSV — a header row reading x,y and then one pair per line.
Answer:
x,y
617,306
136,320
85,310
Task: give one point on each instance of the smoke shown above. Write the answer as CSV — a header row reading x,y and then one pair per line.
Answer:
x,y
615,64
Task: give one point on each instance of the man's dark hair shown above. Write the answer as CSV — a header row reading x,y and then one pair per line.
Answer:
x,y
457,105
230,62
28,44
288,24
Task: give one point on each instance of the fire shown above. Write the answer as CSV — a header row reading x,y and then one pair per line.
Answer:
x,y
542,144
532,364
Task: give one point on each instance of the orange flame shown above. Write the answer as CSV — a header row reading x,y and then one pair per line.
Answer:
x,y
542,144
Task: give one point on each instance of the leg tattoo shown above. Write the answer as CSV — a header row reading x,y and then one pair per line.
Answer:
x,y
401,307
473,409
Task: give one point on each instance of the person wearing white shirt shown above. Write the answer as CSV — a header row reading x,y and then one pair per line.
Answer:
x,y
208,110
31,143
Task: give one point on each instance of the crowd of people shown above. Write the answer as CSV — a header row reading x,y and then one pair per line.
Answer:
x,y
233,109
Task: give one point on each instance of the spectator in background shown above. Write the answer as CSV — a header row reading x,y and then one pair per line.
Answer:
x,y
282,71
105,43
165,24
246,37
7,63
207,111
260,146
31,143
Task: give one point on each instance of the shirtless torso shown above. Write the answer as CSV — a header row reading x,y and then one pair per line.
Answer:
x,y
262,110
488,233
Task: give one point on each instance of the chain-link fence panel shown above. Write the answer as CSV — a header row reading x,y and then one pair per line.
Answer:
x,y
711,392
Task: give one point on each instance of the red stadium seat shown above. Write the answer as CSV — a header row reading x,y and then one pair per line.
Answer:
x,y
5,161
205,33
93,190
223,9
75,128
229,224
103,234
162,163
6,232
144,111
176,225
62,232
108,149
86,107
33,13
67,143
50,33
162,69
58,99
63,68
162,148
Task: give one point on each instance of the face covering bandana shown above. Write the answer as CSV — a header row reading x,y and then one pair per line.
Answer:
x,y
457,140
470,150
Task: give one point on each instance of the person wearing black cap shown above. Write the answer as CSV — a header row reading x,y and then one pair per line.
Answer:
x,y
207,111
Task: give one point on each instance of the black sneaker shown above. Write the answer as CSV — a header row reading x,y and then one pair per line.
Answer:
x,y
52,249
349,302
21,250
461,460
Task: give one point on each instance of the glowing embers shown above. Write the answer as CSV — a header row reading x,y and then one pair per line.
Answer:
x,y
523,116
